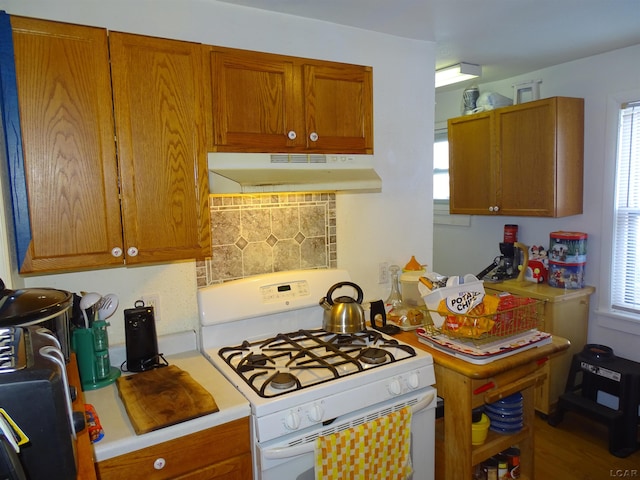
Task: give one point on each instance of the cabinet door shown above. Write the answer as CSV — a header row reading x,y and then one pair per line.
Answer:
x,y
254,104
220,452
64,93
234,468
158,99
338,108
472,169
526,136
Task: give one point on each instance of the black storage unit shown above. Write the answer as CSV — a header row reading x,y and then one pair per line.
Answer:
x,y
596,369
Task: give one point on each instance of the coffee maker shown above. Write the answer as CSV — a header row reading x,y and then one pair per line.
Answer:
x,y
504,266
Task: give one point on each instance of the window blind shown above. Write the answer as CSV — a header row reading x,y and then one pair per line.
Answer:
x,y
625,281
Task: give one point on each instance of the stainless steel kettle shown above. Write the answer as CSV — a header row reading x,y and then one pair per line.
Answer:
x,y
343,314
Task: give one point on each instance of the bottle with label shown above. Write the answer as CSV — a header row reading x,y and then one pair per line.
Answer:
x,y
503,467
490,467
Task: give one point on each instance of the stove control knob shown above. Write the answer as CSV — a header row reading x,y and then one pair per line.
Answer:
x,y
316,413
395,387
413,381
292,420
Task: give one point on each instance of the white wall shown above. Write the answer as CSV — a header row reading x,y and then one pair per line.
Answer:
x,y
596,79
372,228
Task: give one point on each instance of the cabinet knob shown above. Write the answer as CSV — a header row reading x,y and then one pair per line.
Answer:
x,y
159,463
313,136
132,251
496,208
116,252
292,135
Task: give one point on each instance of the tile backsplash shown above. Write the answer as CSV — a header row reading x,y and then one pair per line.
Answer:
x,y
253,234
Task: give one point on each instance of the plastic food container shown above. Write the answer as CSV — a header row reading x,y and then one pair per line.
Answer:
x,y
479,430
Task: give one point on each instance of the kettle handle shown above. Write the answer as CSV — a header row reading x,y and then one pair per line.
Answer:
x,y
344,284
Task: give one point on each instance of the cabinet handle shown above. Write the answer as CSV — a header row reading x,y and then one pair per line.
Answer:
x,y
159,463
132,251
494,208
313,136
292,135
116,252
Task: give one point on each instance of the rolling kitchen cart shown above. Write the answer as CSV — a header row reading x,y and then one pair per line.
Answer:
x,y
465,386
566,313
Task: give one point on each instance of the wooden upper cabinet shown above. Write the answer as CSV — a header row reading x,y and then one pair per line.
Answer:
x,y
274,103
522,160
66,117
253,101
159,102
88,206
472,171
338,108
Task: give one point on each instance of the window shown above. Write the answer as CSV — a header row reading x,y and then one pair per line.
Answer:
x,y
625,273
441,165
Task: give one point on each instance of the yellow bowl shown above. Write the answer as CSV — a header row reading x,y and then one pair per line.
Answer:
x,y
479,430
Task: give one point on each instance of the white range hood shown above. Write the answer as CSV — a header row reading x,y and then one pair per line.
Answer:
x,y
265,173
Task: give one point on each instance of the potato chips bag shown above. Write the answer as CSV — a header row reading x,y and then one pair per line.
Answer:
x,y
470,314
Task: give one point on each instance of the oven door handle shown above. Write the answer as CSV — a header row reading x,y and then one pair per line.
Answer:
x,y
309,447
424,403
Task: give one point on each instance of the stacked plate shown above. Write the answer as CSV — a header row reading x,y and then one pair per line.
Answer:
x,y
506,415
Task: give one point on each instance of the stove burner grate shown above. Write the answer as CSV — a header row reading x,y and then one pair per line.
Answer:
x,y
274,361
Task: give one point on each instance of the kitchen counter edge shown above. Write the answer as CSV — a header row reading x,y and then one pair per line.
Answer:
x,y
120,437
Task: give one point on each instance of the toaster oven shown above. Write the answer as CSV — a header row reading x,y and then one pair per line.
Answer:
x,y
35,396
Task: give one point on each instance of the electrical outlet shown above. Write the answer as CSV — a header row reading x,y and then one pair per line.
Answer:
x,y
152,300
383,272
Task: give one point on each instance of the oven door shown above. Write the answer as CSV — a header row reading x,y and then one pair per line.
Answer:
x,y
293,457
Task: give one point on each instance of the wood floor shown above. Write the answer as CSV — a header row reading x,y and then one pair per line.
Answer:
x,y
577,449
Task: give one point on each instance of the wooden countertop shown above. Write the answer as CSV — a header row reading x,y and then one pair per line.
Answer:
x,y
120,437
540,291
492,369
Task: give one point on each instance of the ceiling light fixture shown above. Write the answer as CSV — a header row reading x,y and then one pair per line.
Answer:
x,y
457,73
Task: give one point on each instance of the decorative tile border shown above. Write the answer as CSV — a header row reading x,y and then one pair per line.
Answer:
x,y
263,233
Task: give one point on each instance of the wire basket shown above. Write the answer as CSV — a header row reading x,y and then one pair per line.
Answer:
x,y
515,315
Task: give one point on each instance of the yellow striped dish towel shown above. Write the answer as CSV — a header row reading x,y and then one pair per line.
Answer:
x,y
377,450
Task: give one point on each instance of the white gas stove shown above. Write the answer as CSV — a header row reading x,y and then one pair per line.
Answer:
x,y
264,334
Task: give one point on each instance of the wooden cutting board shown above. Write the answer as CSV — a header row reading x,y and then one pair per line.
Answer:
x,y
163,396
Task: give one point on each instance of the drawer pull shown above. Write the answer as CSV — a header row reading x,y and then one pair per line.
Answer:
x,y
484,388
514,387
159,463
